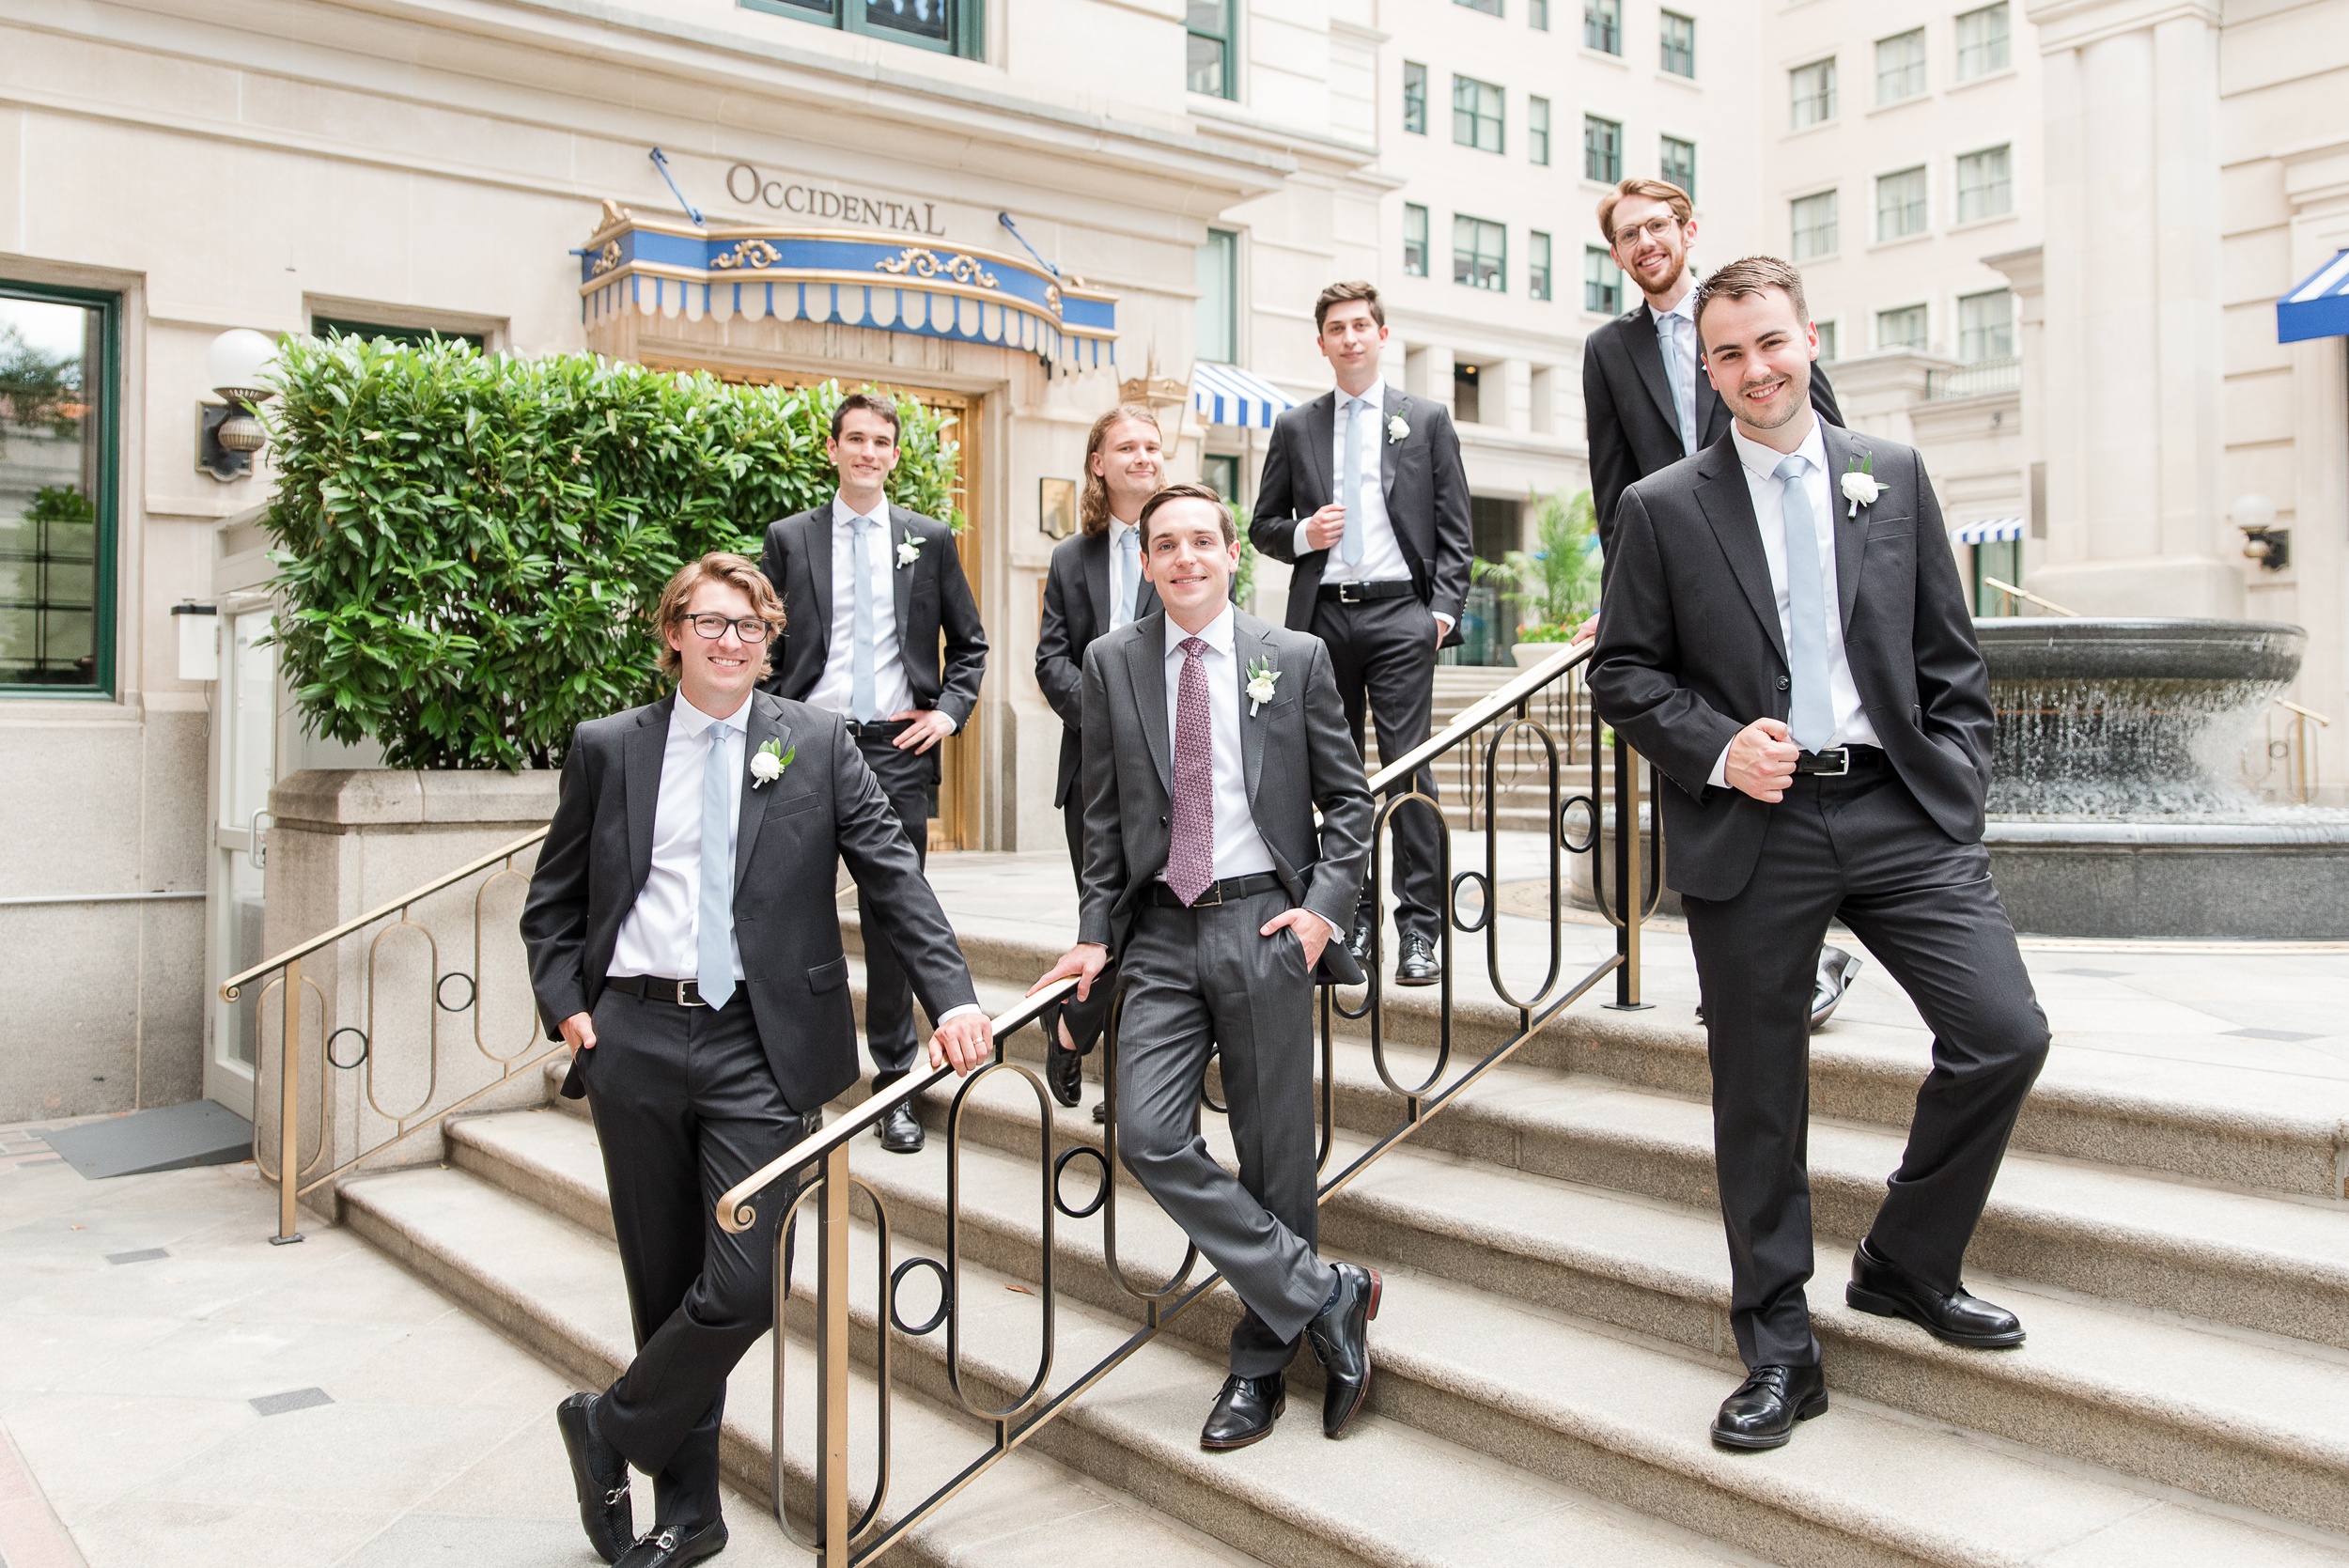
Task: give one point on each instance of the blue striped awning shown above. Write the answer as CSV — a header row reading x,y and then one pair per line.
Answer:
x,y
1226,394
2319,307
1989,531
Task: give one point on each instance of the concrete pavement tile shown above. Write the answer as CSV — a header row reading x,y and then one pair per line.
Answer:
x,y
144,1532
455,1361
47,1348
87,1449
525,1476
495,1541
393,1457
236,1360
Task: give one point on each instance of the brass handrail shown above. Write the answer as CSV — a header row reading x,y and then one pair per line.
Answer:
x,y
1479,713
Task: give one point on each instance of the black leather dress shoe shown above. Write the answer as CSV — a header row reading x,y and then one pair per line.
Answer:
x,y
1418,965
1358,940
673,1548
1244,1412
1100,1114
1341,1337
1763,1412
1063,1070
1837,970
600,1474
1881,1286
900,1130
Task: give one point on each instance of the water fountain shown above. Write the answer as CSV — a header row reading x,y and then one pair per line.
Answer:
x,y
2114,801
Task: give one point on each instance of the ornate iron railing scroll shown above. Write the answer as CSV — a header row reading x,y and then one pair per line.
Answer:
x,y
1514,745
352,1047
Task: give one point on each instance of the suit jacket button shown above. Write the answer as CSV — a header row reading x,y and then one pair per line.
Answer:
x,y
1783,683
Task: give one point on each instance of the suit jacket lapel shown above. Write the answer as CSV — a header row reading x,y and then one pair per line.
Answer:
x,y
1248,646
1713,419
1094,555
1146,602
1321,428
901,581
1844,451
764,724
640,756
816,548
1647,355
1390,452
1729,508
1146,670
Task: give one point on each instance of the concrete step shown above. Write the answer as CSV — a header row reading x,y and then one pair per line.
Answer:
x,y
558,1290
2179,1117
2259,1422
1526,1388
1390,1494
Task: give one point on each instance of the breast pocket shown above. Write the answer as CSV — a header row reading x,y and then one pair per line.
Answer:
x,y
828,977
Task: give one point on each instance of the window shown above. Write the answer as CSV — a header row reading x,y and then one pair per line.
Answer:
x,y
1537,130
1218,297
1678,163
1480,253
327,326
1827,339
1904,328
1476,114
1415,98
1468,385
1537,15
1901,66
1986,326
1537,265
949,26
1602,150
1414,240
1602,281
1813,90
1602,26
1221,470
1490,7
1209,52
1981,41
59,351
1679,45
1985,185
1816,230
1900,204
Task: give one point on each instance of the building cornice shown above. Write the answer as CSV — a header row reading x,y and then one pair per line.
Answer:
x,y
2066,24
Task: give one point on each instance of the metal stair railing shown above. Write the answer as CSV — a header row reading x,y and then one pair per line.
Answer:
x,y
1500,742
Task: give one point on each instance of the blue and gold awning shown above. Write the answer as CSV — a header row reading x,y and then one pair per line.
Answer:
x,y
851,278
2318,306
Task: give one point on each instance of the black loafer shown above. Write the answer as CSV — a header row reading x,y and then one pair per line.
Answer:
x,y
1341,1338
1100,1114
899,1130
1763,1412
1418,964
1063,1070
1884,1288
1358,940
673,1548
1837,970
600,1474
1244,1412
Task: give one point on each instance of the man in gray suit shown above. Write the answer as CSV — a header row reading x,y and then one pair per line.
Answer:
x,y
684,940
1209,738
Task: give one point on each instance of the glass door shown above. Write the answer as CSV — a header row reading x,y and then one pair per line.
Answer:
x,y
248,767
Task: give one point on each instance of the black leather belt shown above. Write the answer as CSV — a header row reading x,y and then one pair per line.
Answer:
x,y
654,988
1228,891
1363,592
878,729
1836,761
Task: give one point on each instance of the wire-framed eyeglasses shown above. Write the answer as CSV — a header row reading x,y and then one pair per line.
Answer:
x,y
748,628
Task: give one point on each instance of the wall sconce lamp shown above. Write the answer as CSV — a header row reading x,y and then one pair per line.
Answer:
x,y
228,434
2254,518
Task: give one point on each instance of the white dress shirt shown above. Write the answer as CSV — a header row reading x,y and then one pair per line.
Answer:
x,y
1125,581
662,935
1382,553
1676,340
1239,849
1760,464
836,689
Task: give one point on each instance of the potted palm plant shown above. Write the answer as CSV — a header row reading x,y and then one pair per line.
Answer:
x,y
1559,580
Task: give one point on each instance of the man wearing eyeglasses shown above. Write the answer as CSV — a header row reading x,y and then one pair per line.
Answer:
x,y
682,941
870,590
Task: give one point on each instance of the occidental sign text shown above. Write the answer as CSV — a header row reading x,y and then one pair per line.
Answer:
x,y
746,185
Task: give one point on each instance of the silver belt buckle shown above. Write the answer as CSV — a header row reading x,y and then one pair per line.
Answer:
x,y
1843,761
681,1001
1349,593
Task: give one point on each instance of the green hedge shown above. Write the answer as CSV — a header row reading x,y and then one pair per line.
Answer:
x,y
468,546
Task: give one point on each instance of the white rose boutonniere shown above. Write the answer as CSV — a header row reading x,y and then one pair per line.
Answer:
x,y
1397,428
909,549
1262,678
1859,484
769,761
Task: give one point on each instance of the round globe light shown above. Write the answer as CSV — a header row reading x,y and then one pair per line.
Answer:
x,y
233,366
2252,510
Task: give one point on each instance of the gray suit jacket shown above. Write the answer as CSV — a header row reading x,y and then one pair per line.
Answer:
x,y
1076,610
792,834
1689,650
1296,752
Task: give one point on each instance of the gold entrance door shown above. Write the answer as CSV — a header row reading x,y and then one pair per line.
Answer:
x,y
955,814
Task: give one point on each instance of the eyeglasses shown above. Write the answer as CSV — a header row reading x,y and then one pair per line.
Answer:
x,y
1655,228
749,628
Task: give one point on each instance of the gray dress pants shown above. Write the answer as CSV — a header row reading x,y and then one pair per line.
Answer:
x,y
1199,980
890,1030
1858,848
1383,654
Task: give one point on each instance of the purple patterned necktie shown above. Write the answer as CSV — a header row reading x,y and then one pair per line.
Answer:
x,y
1191,847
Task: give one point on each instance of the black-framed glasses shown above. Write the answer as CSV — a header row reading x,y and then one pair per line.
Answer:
x,y
749,628
1655,228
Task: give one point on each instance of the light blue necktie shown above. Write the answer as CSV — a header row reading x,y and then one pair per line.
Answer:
x,y
862,705
1681,369
714,930
1811,717
1126,593
1350,487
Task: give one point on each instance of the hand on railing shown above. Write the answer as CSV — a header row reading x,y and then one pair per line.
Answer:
x,y
964,1043
1082,963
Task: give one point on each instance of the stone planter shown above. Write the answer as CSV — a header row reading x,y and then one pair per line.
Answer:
x,y
422,1008
1529,654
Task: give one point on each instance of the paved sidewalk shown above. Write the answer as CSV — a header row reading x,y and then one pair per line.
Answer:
x,y
184,1394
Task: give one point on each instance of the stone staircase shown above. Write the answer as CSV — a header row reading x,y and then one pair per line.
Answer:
x,y
1554,1336
1525,792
